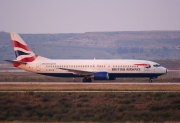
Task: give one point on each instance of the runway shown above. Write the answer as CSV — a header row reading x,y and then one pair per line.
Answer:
x,y
80,87
91,91
97,83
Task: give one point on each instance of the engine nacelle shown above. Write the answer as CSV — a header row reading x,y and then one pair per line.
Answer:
x,y
101,76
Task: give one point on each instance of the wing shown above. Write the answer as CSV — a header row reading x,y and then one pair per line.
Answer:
x,y
78,72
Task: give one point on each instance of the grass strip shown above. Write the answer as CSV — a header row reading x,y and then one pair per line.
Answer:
x,y
88,87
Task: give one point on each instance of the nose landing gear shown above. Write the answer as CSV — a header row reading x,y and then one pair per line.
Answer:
x,y
151,78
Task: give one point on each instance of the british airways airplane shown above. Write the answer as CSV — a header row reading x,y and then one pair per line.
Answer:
x,y
94,69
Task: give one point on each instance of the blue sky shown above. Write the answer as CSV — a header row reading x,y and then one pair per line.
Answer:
x,y
79,16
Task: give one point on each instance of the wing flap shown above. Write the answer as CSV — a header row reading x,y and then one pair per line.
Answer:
x,y
79,72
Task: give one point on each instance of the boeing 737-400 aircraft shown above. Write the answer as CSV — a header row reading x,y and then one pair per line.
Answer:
x,y
95,69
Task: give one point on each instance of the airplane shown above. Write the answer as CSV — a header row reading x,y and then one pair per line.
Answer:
x,y
92,69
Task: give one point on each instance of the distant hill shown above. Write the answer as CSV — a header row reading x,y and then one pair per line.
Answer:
x,y
148,45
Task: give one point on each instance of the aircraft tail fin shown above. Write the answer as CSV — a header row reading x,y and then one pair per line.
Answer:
x,y
22,51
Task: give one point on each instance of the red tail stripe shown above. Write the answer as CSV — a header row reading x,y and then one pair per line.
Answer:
x,y
16,64
17,44
30,59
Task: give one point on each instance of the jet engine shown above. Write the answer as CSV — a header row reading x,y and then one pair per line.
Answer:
x,y
101,76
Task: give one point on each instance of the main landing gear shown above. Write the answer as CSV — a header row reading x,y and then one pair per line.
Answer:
x,y
150,80
87,79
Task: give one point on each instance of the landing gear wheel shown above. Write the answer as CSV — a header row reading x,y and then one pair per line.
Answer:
x,y
150,80
89,80
86,79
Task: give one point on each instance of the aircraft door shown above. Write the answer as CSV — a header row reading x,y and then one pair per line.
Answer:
x,y
147,67
38,66
97,66
108,67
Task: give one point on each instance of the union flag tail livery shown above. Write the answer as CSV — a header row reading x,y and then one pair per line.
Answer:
x,y
95,69
22,51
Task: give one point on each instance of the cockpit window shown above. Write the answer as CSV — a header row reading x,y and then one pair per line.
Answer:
x,y
157,65
148,66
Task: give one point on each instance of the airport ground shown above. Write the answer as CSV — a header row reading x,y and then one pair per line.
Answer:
x,y
28,97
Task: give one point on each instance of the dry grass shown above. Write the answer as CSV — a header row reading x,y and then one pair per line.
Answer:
x,y
90,107
87,87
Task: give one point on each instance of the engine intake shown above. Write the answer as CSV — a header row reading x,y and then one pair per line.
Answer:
x,y
101,76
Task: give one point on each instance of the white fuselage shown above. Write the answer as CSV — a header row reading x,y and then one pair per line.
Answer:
x,y
115,68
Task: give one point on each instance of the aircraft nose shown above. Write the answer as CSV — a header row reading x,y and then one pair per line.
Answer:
x,y
166,70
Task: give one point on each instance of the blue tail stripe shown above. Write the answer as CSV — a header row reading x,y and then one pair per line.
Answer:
x,y
18,53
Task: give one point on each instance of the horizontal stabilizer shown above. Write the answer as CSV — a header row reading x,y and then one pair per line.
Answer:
x,y
11,61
